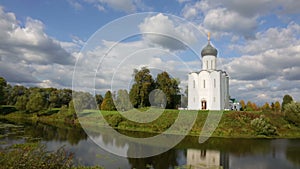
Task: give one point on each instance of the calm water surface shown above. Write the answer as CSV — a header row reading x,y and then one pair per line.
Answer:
x,y
214,153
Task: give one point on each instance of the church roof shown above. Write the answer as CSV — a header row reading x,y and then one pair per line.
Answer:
x,y
209,50
210,71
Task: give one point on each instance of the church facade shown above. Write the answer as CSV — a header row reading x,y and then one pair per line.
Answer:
x,y
208,89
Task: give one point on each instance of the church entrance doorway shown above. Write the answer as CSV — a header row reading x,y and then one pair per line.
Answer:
x,y
203,103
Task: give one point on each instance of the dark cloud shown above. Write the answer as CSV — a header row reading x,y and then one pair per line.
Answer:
x,y
292,73
16,74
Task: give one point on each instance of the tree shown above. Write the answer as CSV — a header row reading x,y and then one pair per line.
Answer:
x,y
254,107
99,99
158,98
3,84
134,95
71,110
170,88
277,106
292,112
21,102
54,99
143,85
266,107
83,100
184,98
123,101
65,96
15,92
286,100
272,106
36,102
249,106
108,103
7,91
243,105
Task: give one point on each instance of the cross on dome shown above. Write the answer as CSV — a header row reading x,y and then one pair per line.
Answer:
x,y
208,36
209,49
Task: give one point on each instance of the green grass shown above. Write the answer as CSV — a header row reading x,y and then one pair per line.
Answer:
x,y
48,112
233,124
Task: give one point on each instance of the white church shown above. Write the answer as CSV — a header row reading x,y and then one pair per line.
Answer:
x,y
208,89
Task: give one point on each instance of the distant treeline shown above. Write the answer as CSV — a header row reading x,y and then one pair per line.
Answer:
x,y
35,99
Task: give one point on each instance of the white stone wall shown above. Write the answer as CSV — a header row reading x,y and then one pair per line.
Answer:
x,y
211,92
216,90
209,62
193,92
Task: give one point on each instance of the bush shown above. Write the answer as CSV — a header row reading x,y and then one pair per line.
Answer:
x,y
34,155
263,127
292,112
114,119
7,109
242,117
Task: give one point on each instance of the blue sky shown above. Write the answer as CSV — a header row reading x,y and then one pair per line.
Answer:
x,y
258,42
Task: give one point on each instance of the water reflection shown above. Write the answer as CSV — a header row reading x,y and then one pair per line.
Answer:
x,y
200,159
215,153
58,133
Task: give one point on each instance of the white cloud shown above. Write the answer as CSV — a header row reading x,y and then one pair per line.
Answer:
x,y
125,5
262,7
235,17
222,20
275,60
215,17
190,13
183,1
196,10
29,44
25,49
76,5
272,64
271,68
272,38
128,6
249,8
161,30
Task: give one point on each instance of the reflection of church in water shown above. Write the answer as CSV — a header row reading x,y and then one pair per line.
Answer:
x,y
204,159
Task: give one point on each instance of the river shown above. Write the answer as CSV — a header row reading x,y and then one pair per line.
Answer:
x,y
214,153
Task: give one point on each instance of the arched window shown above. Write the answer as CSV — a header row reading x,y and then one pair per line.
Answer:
x,y
203,83
211,64
215,83
207,64
193,83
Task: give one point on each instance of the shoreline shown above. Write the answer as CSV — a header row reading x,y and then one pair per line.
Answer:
x,y
22,117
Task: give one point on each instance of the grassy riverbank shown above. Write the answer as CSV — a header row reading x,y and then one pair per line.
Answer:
x,y
232,124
